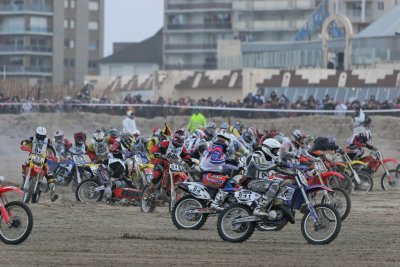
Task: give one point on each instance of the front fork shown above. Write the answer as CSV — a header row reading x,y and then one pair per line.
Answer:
x,y
355,174
173,193
4,213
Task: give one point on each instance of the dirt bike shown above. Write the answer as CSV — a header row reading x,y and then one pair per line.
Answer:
x,y
16,220
140,173
92,190
390,178
361,179
35,180
72,170
339,199
191,211
167,189
321,223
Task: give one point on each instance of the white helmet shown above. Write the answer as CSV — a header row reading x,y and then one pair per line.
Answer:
x,y
271,147
136,133
223,139
98,136
41,133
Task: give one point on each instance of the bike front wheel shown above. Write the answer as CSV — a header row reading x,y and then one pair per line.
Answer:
x,y
20,226
324,227
86,192
391,182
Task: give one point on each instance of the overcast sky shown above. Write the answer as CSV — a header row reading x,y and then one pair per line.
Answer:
x,y
131,21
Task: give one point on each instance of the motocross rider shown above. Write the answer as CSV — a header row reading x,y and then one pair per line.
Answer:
x,y
259,163
164,134
61,144
215,161
40,144
294,146
357,142
139,146
79,147
248,140
98,149
164,152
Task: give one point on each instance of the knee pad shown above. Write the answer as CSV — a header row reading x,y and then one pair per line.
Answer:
x,y
273,189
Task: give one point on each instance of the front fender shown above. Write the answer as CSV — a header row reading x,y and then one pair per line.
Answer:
x,y
390,160
314,188
5,189
331,173
355,162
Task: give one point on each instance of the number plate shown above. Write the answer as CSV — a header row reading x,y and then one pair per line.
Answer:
x,y
175,167
37,160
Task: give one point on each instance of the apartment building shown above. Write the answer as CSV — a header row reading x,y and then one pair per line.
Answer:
x,y
53,40
361,13
192,27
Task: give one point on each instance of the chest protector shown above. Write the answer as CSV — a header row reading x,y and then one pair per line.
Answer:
x,y
78,149
100,149
173,152
257,166
60,148
38,146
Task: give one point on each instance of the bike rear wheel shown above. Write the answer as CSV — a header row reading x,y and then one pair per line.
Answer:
x,y
181,217
21,223
391,183
237,232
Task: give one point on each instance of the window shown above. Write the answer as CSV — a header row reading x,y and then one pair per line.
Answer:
x,y
381,6
93,45
72,24
65,3
93,5
69,63
72,4
92,64
93,25
65,23
69,43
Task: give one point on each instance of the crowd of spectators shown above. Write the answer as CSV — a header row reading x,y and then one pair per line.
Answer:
x,y
272,102
254,101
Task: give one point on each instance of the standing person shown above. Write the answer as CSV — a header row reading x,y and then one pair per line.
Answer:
x,y
129,123
360,120
197,120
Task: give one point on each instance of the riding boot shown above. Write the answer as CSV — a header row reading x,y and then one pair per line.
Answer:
x,y
218,200
266,200
53,194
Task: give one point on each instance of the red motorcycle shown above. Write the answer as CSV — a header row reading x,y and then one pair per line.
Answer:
x,y
92,190
167,189
390,178
16,219
35,173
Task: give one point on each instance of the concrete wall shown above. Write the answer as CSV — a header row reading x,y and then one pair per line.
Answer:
x,y
127,69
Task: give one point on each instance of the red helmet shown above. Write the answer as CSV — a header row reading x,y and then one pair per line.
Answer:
x,y
178,138
79,138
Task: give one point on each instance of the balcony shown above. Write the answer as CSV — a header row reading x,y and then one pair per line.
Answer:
x,y
13,49
23,9
276,5
209,26
198,7
17,70
206,66
190,47
272,25
26,30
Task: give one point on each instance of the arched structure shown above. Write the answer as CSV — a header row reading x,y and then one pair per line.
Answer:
x,y
348,36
